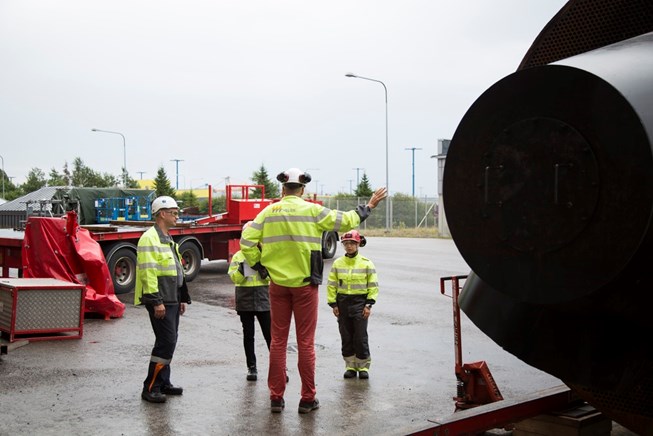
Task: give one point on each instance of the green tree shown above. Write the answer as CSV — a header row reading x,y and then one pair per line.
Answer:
x,y
11,191
261,177
84,176
162,184
131,183
56,179
35,181
188,199
219,205
364,189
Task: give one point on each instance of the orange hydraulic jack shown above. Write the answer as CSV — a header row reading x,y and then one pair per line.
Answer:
x,y
475,384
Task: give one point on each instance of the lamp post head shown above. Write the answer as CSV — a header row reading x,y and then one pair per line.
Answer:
x,y
350,75
94,130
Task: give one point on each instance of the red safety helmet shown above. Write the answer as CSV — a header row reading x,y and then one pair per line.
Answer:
x,y
354,236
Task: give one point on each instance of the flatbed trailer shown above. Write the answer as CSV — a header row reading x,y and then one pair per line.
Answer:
x,y
216,237
119,240
196,242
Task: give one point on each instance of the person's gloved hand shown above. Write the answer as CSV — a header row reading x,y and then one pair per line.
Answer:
x,y
262,271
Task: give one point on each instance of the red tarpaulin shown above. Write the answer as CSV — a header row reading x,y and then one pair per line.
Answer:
x,y
58,248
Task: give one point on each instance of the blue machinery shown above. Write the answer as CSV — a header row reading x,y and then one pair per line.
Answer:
x,y
136,208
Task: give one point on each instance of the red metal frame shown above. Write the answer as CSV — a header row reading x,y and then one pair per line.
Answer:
x,y
501,414
11,253
474,382
479,404
240,208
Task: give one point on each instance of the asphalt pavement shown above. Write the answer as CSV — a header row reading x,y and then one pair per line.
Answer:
x,y
92,385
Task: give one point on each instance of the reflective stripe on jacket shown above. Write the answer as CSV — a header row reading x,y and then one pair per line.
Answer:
x,y
291,234
157,270
352,276
252,292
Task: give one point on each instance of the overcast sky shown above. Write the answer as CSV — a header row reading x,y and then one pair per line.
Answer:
x,y
230,85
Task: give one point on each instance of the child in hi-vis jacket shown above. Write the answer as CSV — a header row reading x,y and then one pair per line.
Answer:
x,y
352,289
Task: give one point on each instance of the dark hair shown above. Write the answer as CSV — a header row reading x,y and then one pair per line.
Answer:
x,y
293,187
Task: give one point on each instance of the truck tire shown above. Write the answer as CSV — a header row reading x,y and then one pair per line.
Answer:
x,y
122,266
192,258
329,244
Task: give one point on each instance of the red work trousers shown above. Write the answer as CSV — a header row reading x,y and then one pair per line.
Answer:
x,y
302,303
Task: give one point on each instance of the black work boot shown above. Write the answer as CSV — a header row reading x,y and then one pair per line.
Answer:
x,y
252,373
172,390
152,384
308,406
153,397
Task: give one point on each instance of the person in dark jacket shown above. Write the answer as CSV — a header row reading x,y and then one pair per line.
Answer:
x,y
252,303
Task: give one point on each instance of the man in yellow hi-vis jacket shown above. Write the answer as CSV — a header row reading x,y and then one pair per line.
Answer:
x,y
161,287
291,233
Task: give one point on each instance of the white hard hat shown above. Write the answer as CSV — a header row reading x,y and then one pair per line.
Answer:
x,y
294,175
163,202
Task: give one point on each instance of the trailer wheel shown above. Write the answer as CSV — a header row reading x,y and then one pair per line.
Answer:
x,y
192,259
122,266
329,244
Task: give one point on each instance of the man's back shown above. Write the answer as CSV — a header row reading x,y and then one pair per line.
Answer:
x,y
291,235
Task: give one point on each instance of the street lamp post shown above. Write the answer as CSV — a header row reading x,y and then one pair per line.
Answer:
x,y
413,150
388,224
358,179
124,153
177,170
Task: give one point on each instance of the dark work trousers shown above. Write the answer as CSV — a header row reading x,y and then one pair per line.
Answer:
x,y
352,325
247,319
165,333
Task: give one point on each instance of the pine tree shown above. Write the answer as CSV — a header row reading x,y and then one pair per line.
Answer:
x,y
261,177
162,184
57,179
364,189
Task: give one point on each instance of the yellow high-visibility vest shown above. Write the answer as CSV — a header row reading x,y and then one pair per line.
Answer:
x,y
156,269
291,235
352,276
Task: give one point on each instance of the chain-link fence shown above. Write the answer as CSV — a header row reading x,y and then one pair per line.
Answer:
x,y
405,211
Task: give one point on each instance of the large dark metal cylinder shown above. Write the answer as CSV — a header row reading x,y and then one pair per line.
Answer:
x,y
550,174
548,190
